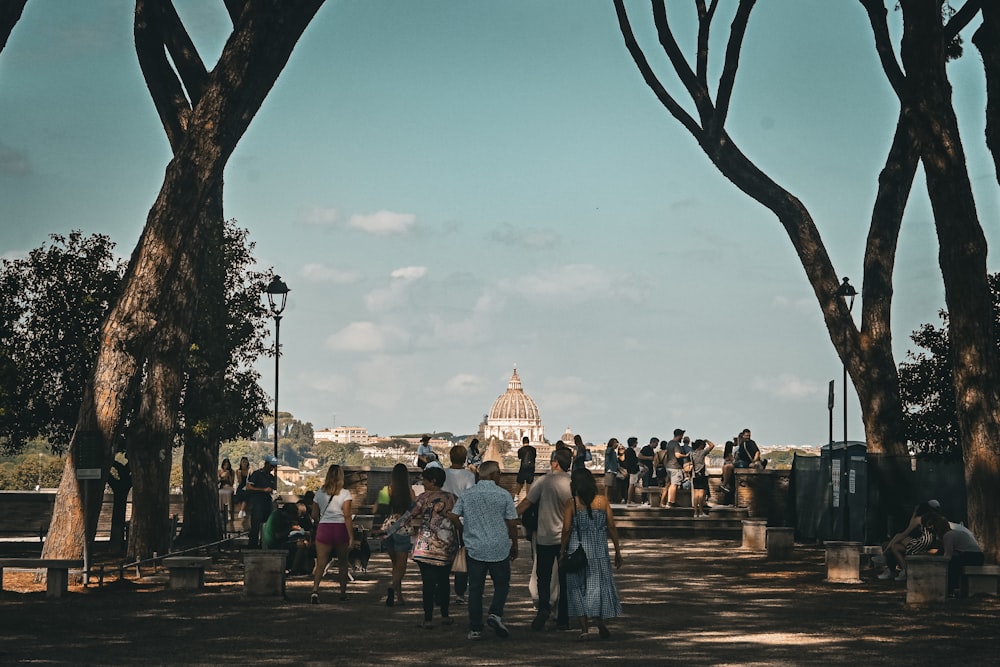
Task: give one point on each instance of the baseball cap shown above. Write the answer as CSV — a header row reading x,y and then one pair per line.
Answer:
x,y
933,504
270,459
678,431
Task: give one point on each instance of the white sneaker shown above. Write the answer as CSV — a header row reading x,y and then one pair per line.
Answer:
x,y
902,575
886,574
496,623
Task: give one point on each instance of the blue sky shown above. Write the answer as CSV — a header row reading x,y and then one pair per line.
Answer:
x,y
452,188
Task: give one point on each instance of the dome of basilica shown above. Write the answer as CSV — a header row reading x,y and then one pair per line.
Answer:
x,y
514,415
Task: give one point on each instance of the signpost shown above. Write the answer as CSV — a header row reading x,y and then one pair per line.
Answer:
x,y
89,456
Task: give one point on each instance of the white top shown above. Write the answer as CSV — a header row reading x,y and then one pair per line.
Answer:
x,y
331,510
457,480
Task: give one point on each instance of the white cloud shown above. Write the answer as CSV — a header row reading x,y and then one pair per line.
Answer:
x,y
383,223
318,215
531,239
464,383
365,337
386,298
327,274
409,273
786,386
574,283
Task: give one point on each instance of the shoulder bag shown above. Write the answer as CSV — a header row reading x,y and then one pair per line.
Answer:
x,y
577,560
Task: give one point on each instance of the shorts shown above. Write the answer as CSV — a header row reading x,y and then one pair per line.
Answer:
x,y
610,479
700,482
398,542
333,534
633,479
740,463
676,476
525,477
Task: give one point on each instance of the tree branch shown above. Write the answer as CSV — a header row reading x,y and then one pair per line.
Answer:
x,y
183,52
698,92
164,87
704,28
235,8
10,14
883,45
728,78
961,19
649,76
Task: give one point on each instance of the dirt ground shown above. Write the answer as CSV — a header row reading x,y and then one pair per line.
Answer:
x,y
707,603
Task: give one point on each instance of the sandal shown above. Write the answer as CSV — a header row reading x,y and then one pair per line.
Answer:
x,y
584,636
314,598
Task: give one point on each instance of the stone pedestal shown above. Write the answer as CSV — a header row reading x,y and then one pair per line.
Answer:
x,y
264,572
843,562
926,579
755,534
780,543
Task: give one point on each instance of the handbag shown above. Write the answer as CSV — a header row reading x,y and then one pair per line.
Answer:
x,y
460,564
577,560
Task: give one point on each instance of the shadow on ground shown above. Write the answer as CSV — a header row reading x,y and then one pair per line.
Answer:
x,y
707,603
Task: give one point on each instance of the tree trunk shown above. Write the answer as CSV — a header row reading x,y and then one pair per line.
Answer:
x,y
962,257
255,54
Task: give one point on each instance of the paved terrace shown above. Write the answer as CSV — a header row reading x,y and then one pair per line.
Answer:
x,y
691,603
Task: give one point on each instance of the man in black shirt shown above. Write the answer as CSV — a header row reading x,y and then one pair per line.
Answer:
x,y
632,468
260,486
747,451
526,472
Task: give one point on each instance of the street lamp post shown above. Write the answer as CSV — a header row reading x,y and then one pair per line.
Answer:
x,y
277,295
847,292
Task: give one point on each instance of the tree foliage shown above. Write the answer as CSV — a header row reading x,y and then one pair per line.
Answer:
x,y
927,387
52,303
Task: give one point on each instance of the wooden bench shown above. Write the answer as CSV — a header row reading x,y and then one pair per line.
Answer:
x,y
57,572
187,571
980,580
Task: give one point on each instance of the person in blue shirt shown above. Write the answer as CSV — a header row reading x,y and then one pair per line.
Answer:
x,y
490,536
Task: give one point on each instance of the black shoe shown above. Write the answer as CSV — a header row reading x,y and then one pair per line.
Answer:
x,y
390,598
539,622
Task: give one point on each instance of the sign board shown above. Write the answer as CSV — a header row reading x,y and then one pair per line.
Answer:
x,y
829,397
89,455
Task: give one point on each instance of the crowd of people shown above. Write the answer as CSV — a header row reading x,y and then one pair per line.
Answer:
x,y
464,507
459,525
674,464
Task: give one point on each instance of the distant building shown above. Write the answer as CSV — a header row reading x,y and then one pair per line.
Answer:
x,y
343,435
513,416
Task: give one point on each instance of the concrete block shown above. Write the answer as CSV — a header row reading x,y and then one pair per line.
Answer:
x,y
755,534
843,562
780,543
926,579
264,572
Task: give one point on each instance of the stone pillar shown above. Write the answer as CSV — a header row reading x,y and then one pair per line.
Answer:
x,y
264,572
755,534
780,543
926,579
843,562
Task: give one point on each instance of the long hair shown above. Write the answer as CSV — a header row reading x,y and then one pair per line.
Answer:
x,y
227,464
399,489
334,481
584,487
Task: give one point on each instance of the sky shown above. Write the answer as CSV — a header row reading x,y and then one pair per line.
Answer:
x,y
452,189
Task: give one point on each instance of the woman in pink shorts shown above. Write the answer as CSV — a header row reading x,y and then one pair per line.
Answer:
x,y
334,530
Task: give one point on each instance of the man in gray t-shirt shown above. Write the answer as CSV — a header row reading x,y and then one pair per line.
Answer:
x,y
550,493
675,470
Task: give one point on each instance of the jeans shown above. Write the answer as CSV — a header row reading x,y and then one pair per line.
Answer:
x,y
259,511
547,555
436,588
500,574
461,583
